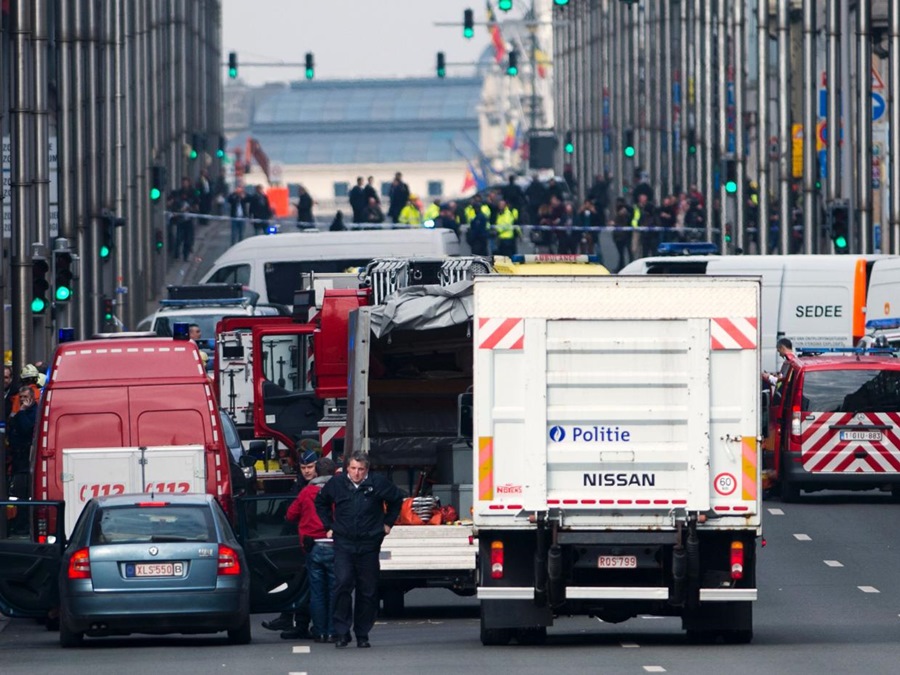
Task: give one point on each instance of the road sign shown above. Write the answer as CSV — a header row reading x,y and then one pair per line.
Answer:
x,y
877,82
821,136
797,150
878,106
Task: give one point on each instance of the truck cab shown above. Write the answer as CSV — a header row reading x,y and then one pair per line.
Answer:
x,y
834,422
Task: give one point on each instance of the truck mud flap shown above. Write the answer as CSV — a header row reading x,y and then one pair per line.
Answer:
x,y
514,614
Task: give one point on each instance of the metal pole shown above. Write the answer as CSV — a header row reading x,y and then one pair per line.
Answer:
x,y
684,85
635,115
704,64
810,100
80,177
762,116
667,136
894,18
618,95
43,338
864,126
128,157
739,150
784,125
93,156
722,110
123,238
652,50
21,122
833,118
847,115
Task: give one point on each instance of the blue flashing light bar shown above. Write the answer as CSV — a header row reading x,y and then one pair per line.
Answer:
x,y
181,330
66,335
272,229
204,302
687,248
883,324
861,351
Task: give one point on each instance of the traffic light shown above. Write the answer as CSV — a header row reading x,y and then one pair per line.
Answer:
x,y
232,65
569,145
310,66
730,175
63,274
441,65
108,225
40,268
692,141
198,141
220,150
157,182
512,66
468,24
158,240
839,225
628,142
107,309
504,5
561,3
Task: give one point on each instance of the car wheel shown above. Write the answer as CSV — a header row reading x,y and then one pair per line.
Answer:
x,y
69,639
240,635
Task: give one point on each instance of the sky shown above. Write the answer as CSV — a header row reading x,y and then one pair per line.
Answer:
x,y
350,38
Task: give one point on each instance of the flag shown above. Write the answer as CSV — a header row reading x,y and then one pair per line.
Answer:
x,y
509,142
496,37
542,61
468,182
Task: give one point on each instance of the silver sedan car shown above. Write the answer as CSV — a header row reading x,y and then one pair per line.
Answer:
x,y
164,563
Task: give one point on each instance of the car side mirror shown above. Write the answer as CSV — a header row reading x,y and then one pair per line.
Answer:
x,y
465,415
247,461
256,450
765,403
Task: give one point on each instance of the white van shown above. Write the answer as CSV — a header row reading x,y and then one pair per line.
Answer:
x,y
272,265
814,300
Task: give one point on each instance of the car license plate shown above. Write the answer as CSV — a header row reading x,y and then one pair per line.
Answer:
x,y
173,569
617,562
860,435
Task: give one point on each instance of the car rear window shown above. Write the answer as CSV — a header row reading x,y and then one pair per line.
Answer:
x,y
851,391
137,524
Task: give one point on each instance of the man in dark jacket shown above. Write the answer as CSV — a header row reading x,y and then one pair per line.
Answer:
x,y
399,197
358,200
357,510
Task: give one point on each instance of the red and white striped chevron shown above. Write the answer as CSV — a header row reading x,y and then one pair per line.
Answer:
x,y
327,437
733,333
823,451
501,334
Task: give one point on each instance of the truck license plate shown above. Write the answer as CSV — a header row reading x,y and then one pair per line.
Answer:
x,y
156,570
617,562
860,435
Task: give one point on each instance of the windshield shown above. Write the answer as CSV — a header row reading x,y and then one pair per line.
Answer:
x,y
870,390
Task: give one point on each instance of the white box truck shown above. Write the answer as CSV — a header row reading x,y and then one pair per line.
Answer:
x,y
616,441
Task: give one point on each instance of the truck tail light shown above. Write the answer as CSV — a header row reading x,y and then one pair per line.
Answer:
x,y
737,560
80,564
496,560
795,421
229,562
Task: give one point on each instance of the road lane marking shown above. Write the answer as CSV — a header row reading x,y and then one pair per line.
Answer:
x,y
776,512
654,669
629,645
833,563
868,589
301,649
297,672
802,537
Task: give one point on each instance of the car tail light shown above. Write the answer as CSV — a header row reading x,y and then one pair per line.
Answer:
x,y
80,564
795,421
496,560
151,505
229,563
737,560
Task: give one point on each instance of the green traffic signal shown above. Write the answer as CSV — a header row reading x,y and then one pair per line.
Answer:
x,y
840,241
569,148
468,24
504,5
155,194
512,68
629,151
220,153
63,293
730,187
561,3
104,252
232,65
310,66
38,305
193,153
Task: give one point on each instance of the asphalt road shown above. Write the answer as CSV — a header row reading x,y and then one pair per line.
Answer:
x,y
829,602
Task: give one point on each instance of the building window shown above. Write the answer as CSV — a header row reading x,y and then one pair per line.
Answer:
x,y
435,188
341,189
385,189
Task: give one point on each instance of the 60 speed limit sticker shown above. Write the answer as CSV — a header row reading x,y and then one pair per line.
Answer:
x,y
725,484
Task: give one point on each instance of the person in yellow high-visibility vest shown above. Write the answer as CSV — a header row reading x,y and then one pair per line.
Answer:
x,y
506,230
432,211
410,214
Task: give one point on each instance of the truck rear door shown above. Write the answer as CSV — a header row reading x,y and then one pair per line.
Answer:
x,y
622,408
